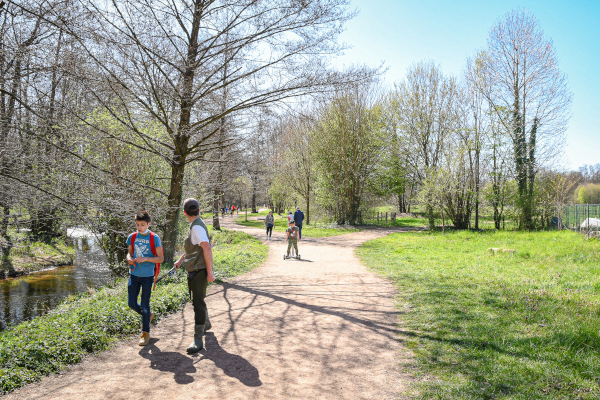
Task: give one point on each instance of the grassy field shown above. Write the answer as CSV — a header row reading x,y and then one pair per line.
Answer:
x,y
307,230
520,325
404,222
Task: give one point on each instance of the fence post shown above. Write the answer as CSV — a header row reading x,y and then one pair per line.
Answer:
x,y
246,212
588,220
386,217
377,217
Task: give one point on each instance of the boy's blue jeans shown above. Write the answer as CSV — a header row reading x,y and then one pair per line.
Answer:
x,y
133,289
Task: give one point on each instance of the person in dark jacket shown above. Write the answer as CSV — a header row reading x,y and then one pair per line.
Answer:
x,y
298,218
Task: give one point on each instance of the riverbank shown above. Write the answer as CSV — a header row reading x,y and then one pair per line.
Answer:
x,y
30,257
92,321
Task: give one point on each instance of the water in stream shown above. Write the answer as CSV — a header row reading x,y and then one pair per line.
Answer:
x,y
33,295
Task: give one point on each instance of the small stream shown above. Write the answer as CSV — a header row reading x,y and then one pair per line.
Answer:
x,y
33,295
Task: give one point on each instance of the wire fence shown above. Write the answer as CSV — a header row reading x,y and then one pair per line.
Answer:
x,y
584,218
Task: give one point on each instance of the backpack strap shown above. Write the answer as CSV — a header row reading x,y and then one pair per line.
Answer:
x,y
133,237
157,265
152,244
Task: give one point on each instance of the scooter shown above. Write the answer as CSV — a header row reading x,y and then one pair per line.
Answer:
x,y
297,257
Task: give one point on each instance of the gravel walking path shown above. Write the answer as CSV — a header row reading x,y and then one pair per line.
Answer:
x,y
320,328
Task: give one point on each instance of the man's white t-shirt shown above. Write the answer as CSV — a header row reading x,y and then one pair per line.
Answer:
x,y
198,235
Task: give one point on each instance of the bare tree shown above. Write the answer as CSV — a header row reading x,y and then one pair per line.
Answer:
x,y
296,170
522,76
426,103
169,62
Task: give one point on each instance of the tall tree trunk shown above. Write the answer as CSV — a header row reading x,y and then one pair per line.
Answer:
x,y
215,207
254,183
430,217
477,189
6,243
308,204
182,138
171,233
522,162
531,166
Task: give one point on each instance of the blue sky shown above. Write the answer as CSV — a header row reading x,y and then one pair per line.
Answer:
x,y
401,32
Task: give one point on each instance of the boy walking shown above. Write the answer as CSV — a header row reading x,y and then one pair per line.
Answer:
x,y
198,262
292,238
145,254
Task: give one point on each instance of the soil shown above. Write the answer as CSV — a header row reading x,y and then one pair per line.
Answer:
x,y
318,328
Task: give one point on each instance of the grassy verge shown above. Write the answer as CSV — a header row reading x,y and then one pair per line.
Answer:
x,y
90,322
520,325
404,222
307,230
33,256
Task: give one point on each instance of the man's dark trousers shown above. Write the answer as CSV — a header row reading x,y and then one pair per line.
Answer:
x,y
197,285
299,231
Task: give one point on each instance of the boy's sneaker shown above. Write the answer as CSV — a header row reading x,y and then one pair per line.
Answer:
x,y
144,339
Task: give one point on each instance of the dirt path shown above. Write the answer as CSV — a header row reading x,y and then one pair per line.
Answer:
x,y
320,328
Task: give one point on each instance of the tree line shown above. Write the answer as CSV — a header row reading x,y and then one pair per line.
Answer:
x,y
492,137
107,108
111,107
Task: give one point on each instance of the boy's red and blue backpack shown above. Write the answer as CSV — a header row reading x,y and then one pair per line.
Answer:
x,y
153,250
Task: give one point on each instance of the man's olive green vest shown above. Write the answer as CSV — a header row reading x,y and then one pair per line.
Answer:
x,y
194,255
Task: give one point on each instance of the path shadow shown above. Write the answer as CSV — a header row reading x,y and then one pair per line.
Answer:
x,y
232,365
391,330
169,361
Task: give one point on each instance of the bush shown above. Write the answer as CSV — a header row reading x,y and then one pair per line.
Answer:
x,y
90,322
588,194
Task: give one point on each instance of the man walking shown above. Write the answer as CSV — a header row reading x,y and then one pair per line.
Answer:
x,y
298,218
198,262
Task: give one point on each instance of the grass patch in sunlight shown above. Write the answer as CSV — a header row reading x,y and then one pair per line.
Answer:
x,y
520,325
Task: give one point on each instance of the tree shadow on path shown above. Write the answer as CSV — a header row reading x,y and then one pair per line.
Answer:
x,y
232,365
169,361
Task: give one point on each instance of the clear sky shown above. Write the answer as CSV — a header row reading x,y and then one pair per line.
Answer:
x,y
401,32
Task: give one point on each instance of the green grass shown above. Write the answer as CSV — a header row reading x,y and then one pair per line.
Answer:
x,y
307,230
404,222
92,321
504,326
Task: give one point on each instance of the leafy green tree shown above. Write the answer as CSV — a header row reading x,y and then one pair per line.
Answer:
x,y
348,145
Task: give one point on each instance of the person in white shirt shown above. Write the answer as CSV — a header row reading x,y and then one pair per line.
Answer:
x,y
198,262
